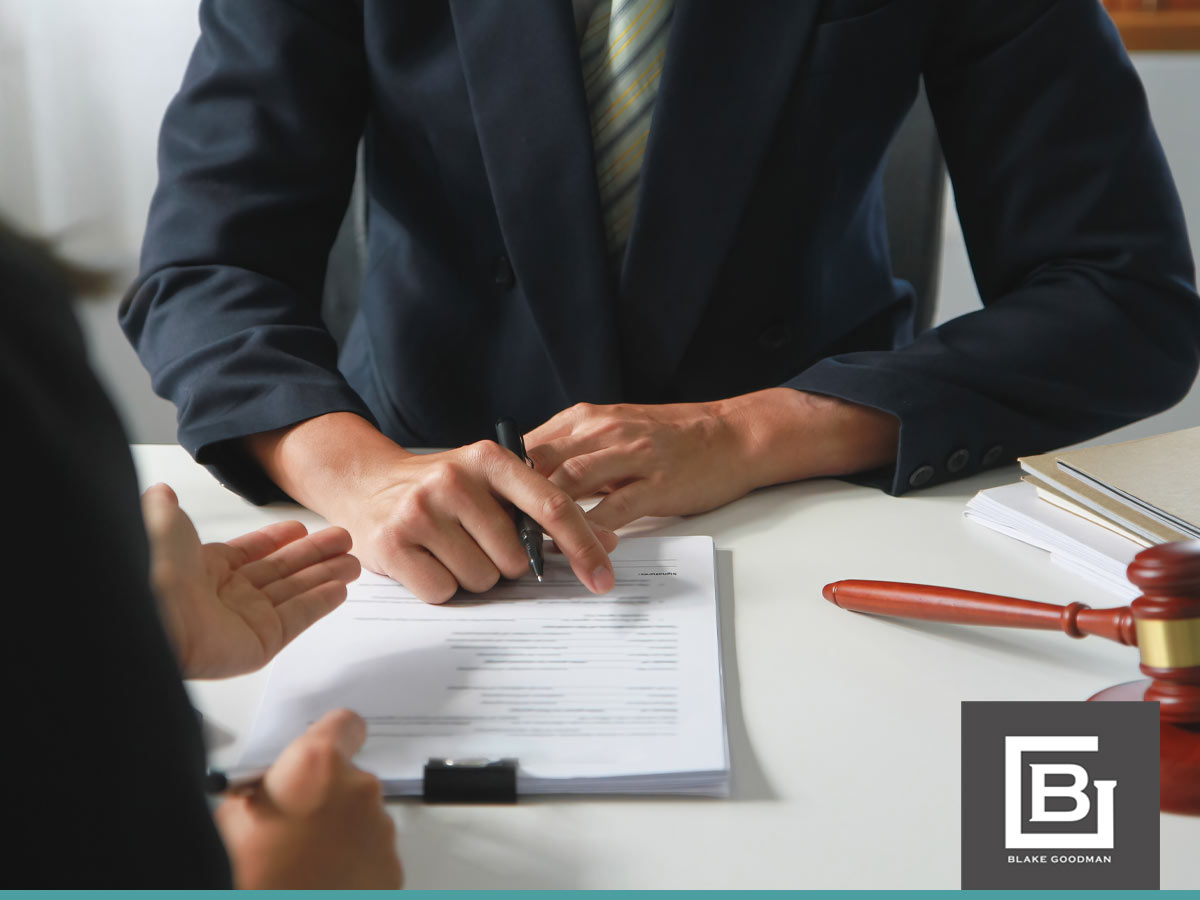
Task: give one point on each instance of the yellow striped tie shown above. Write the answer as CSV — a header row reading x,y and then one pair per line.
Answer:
x,y
622,50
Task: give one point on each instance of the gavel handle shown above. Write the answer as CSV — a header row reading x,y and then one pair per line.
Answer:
x,y
943,604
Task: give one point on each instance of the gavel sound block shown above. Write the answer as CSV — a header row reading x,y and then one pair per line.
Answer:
x,y
1163,623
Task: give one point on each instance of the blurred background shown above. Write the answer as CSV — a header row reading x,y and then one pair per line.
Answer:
x,y
83,86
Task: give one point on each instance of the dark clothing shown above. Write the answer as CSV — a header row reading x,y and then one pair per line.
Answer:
x,y
103,759
758,254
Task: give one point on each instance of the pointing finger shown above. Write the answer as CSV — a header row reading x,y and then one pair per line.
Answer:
x,y
557,514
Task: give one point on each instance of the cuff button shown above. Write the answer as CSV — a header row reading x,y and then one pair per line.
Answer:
x,y
958,460
992,456
921,475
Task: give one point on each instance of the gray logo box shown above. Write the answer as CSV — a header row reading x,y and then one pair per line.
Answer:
x,y
1060,795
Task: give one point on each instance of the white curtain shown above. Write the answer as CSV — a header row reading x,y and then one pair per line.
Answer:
x,y
83,86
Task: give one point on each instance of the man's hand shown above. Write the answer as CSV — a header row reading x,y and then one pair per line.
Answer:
x,y
436,521
666,460
315,822
684,458
229,608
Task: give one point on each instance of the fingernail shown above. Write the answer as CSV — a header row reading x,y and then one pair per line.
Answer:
x,y
602,579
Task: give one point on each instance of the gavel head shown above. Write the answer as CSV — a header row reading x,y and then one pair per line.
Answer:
x,y
1167,619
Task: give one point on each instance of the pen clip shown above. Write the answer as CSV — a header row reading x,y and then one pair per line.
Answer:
x,y
509,436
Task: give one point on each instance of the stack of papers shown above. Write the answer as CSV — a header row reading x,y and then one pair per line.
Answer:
x,y
614,694
1074,543
1093,509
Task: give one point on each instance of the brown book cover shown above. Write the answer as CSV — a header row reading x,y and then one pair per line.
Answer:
x,y
1157,476
1045,468
1056,498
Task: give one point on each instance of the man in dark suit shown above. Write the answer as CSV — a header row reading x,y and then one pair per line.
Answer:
x,y
670,214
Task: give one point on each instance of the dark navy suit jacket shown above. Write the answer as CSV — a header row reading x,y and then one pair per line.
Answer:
x,y
758,254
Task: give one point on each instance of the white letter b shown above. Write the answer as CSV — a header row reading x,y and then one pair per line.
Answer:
x,y
1042,791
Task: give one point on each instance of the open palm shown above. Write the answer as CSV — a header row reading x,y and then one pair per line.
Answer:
x,y
228,608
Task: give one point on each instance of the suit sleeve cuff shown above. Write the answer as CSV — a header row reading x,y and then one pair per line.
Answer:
x,y
217,443
943,435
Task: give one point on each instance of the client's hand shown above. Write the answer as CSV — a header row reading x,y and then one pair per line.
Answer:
x,y
315,821
229,608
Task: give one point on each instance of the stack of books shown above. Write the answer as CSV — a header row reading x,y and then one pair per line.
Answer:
x,y
1094,508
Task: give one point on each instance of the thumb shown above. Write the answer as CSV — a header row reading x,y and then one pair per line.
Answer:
x,y
344,729
159,502
302,777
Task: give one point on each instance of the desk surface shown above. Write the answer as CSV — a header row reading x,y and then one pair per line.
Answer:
x,y
844,729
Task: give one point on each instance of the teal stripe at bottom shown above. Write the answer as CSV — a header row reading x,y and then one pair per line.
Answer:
x,y
649,895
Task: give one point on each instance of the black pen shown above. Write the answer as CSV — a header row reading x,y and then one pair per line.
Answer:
x,y
218,782
508,436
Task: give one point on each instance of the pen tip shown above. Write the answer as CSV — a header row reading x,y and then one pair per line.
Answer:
x,y
539,578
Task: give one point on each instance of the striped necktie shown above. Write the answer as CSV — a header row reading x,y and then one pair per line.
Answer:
x,y
622,51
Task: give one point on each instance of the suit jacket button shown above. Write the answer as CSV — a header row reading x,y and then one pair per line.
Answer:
x,y
502,274
920,476
992,456
958,460
775,336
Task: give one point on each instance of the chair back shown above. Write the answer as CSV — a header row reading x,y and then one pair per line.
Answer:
x,y
347,259
914,189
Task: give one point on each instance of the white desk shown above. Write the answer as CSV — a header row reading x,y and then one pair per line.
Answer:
x,y
844,729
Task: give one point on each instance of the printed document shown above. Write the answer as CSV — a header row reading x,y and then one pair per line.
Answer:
x,y
619,693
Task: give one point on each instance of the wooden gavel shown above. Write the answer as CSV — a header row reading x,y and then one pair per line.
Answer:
x,y
1163,623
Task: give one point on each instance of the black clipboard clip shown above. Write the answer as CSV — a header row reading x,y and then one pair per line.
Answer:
x,y
470,781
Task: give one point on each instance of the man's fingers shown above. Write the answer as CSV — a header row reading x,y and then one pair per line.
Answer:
x,y
419,571
545,458
492,528
548,456
587,474
559,517
462,557
297,555
622,506
559,425
608,539
302,777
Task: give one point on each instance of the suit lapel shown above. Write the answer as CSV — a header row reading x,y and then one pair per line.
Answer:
x,y
728,69
522,68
